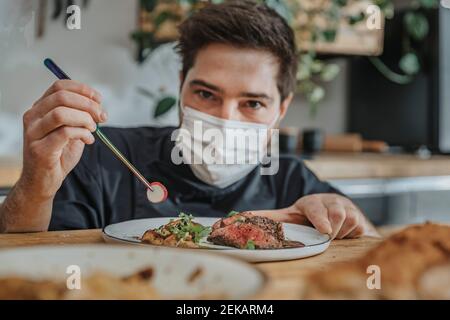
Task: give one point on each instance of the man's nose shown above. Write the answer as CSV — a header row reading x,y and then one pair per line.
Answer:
x,y
228,111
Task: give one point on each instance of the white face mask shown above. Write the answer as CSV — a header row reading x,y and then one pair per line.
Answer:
x,y
230,161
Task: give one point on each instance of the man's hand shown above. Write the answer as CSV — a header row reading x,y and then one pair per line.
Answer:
x,y
56,129
329,213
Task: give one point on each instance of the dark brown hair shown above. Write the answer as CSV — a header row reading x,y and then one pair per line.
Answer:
x,y
241,23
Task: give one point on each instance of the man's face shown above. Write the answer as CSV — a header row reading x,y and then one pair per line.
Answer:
x,y
235,84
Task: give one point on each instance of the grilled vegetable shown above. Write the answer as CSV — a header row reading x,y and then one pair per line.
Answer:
x,y
181,232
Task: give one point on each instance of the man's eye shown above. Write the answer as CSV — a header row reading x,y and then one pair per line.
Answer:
x,y
204,94
255,104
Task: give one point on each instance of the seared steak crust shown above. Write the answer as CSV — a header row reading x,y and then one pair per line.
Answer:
x,y
268,225
238,230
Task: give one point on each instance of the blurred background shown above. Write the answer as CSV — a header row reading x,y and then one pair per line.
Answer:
x,y
372,106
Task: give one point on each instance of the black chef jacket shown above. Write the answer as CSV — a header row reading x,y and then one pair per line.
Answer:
x,y
101,190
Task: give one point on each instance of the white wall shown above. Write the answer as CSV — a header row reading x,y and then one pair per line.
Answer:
x,y
331,114
102,55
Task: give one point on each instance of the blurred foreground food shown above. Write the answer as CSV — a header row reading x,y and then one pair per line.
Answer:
x,y
413,264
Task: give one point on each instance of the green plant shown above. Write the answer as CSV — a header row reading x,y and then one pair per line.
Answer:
x,y
163,102
416,29
311,74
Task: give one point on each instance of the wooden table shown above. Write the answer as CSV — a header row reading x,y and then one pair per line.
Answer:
x,y
284,278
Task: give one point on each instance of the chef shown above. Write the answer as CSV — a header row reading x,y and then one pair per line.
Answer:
x,y
239,68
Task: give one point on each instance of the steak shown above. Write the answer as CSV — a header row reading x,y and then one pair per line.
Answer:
x,y
244,228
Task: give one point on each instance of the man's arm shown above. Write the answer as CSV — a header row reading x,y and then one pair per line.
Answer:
x,y
21,211
56,129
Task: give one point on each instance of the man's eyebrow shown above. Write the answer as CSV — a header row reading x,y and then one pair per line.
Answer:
x,y
252,95
205,84
255,95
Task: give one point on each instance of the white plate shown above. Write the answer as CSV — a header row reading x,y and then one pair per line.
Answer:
x,y
315,242
221,276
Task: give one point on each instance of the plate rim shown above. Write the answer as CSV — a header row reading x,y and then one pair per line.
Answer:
x,y
210,249
98,246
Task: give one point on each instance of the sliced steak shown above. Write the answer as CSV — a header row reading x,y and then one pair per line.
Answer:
x,y
238,230
230,220
268,225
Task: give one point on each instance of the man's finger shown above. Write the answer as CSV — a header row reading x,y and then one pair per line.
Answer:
x,y
70,100
59,138
316,213
75,87
350,223
336,216
58,117
357,232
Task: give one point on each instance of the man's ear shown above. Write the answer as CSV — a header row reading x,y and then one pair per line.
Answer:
x,y
285,105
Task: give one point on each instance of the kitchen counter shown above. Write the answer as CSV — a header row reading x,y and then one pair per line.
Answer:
x,y
327,166
335,166
284,278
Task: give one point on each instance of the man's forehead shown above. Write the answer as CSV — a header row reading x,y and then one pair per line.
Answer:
x,y
228,66
228,56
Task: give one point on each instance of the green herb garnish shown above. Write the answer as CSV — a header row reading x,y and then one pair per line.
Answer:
x,y
250,245
232,213
186,227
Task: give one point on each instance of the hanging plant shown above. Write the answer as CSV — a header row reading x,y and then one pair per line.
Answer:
x,y
158,21
416,30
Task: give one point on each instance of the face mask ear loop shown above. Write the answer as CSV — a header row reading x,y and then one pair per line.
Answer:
x,y
274,122
271,126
